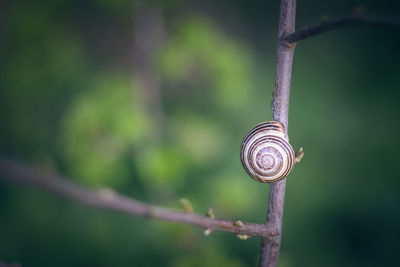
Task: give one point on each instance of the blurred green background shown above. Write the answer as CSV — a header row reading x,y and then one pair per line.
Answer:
x,y
153,98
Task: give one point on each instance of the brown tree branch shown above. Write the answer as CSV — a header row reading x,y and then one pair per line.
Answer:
x,y
287,39
110,200
354,19
280,109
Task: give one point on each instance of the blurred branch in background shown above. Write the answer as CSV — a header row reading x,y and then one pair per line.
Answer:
x,y
353,19
110,200
148,27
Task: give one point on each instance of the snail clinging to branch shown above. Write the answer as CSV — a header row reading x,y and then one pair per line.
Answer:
x,y
266,153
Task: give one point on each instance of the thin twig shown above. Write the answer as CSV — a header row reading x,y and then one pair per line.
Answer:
x,y
110,200
354,19
280,109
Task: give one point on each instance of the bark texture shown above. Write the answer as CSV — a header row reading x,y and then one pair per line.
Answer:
x,y
280,110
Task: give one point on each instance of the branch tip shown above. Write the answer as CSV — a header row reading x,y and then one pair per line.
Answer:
x,y
272,233
242,237
186,205
238,223
299,155
210,213
207,232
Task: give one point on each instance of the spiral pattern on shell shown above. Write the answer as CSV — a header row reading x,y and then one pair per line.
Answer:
x,y
266,154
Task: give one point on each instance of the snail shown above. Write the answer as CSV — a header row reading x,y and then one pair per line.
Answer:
x,y
266,154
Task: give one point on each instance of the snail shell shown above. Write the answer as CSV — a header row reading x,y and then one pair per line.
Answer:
x,y
266,154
